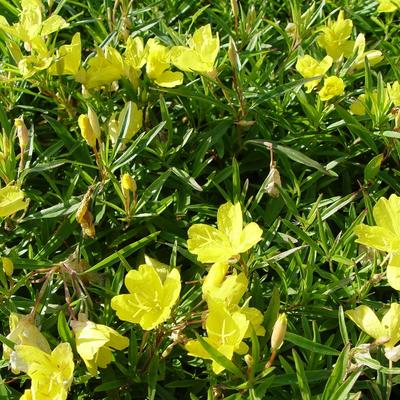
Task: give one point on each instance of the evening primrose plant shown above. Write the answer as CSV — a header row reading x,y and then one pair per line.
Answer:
x,y
199,200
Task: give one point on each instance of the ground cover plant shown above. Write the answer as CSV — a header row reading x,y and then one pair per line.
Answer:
x,y
199,200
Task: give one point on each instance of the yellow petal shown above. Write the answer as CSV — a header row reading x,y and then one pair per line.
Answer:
x,y
387,214
214,278
88,339
53,24
393,272
250,236
169,79
367,321
391,323
209,244
230,222
11,200
171,289
27,395
68,58
377,237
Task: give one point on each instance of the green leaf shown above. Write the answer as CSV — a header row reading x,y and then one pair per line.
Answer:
x,y
220,358
152,376
272,312
338,374
310,345
343,390
63,329
371,170
301,377
125,252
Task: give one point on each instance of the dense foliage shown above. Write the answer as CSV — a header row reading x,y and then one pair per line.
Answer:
x,y
199,199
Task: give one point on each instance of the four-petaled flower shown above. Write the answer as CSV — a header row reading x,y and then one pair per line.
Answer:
x,y
150,299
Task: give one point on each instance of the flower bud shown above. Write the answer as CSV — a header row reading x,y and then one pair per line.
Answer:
x,y
85,217
274,180
22,131
128,183
291,29
87,130
278,332
94,123
248,359
235,8
233,55
8,266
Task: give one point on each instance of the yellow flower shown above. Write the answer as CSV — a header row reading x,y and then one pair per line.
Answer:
x,y
11,200
394,92
29,65
103,69
309,67
95,343
225,332
387,330
200,55
335,37
68,58
226,289
229,291
228,241
333,86
158,63
135,54
150,300
31,29
388,5
23,331
51,373
373,56
385,236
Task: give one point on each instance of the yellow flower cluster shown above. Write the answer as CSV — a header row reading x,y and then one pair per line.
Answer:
x,y
108,65
50,371
227,323
335,40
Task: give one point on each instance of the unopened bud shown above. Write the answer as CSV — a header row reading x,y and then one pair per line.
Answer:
x,y
128,183
85,92
273,181
8,266
251,19
85,217
278,332
291,29
248,359
94,122
87,130
233,55
22,131
235,8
